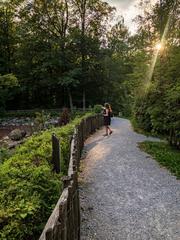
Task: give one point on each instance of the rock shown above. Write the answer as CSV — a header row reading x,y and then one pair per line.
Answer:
x,y
17,134
6,138
14,144
3,143
90,208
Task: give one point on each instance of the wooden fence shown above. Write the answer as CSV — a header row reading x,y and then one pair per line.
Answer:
x,y
64,222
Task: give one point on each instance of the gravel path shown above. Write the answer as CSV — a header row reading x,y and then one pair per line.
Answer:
x,y
124,193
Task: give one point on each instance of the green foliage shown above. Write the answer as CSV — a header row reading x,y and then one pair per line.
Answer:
x,y
29,189
116,64
59,55
157,110
142,118
53,49
4,154
97,108
7,82
57,52
156,93
166,155
40,120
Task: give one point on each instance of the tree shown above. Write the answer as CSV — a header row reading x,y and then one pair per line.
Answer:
x,y
117,67
7,82
93,16
7,36
156,107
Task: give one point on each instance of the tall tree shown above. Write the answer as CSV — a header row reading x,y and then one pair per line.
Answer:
x,y
7,82
92,15
7,36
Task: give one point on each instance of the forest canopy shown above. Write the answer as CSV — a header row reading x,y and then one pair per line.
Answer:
x,y
68,53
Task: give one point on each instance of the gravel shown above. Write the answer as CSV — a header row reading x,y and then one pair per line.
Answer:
x,y
124,193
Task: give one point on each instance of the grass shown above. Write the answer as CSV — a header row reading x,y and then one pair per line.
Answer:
x,y
166,155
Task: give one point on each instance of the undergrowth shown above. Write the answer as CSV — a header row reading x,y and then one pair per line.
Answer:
x,y
29,189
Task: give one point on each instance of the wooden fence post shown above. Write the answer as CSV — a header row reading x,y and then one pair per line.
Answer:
x,y
55,154
49,234
63,219
57,231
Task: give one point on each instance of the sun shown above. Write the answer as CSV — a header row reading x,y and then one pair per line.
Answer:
x,y
158,46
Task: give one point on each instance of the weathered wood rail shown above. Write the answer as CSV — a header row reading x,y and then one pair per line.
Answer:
x,y
64,222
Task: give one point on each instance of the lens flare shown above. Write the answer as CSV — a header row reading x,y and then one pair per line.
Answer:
x,y
158,46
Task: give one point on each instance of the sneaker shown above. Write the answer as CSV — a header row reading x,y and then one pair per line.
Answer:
x,y
110,132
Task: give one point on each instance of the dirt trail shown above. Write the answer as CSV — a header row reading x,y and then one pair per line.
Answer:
x,y
124,193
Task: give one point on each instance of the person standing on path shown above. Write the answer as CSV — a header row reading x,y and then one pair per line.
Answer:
x,y
111,113
107,119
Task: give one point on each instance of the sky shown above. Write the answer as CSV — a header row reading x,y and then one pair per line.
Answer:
x,y
129,10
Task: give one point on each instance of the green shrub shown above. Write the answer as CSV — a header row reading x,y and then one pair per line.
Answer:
x,y
158,110
4,154
97,108
29,189
40,120
141,116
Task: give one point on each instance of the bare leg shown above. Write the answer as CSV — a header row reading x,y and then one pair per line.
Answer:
x,y
110,131
106,128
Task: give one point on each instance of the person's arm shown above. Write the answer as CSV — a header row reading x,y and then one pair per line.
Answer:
x,y
106,113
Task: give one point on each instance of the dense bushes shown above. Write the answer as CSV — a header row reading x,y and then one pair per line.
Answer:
x,y
29,189
4,154
157,109
158,112
155,79
98,108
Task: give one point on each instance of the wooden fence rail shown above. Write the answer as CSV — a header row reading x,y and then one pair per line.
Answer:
x,y
64,222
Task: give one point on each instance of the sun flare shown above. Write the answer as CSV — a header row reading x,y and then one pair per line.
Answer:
x,y
158,46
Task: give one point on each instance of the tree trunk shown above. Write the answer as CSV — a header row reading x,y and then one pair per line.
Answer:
x,y
83,21
84,100
70,100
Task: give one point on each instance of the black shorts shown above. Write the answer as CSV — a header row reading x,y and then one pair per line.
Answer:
x,y
107,121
